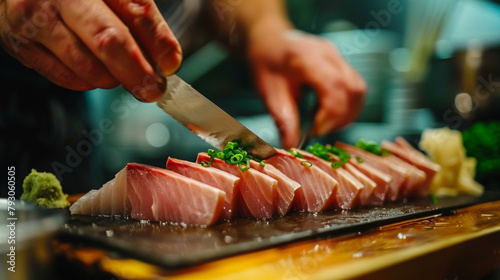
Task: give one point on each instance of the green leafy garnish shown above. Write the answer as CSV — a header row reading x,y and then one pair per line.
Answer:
x,y
482,142
319,151
359,159
343,155
434,198
295,153
336,164
325,152
372,147
232,154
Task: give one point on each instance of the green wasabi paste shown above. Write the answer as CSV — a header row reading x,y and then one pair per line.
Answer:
x,y
44,189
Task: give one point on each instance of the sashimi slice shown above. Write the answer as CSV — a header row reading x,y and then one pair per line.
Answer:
x,y
349,189
96,204
381,179
163,195
110,199
404,150
83,206
258,191
368,184
286,187
398,174
217,178
318,191
416,177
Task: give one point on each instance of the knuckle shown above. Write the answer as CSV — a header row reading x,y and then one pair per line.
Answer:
x,y
92,70
17,10
109,39
62,76
143,10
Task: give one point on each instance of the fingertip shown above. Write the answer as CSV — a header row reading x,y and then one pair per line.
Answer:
x,y
290,135
170,61
361,86
151,92
324,123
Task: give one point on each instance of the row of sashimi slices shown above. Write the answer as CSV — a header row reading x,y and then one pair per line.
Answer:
x,y
187,192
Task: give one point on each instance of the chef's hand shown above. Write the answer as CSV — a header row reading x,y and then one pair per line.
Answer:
x,y
283,60
87,44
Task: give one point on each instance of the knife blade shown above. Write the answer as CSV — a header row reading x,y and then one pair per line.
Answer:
x,y
205,119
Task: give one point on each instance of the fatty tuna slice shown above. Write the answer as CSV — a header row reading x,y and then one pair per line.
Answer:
x,y
398,174
381,179
349,189
415,179
405,151
368,185
214,177
258,191
163,195
110,199
318,191
286,187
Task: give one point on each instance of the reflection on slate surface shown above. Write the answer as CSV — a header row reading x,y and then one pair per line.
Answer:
x,y
177,245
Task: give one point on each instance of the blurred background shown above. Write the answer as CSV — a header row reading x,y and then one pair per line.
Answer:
x,y
427,63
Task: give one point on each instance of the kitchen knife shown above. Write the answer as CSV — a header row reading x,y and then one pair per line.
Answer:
x,y
212,124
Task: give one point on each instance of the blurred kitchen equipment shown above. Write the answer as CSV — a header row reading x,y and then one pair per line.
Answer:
x,y
463,85
424,25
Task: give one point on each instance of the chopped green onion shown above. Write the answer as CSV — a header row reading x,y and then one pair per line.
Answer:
x,y
372,147
244,166
232,154
359,159
336,164
343,155
295,153
319,151
262,164
234,159
325,152
434,198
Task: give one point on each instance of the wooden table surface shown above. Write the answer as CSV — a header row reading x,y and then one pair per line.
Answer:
x,y
464,245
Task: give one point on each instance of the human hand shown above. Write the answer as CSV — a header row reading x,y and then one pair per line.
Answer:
x,y
283,60
87,44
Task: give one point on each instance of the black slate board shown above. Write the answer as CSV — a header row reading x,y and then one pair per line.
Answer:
x,y
174,246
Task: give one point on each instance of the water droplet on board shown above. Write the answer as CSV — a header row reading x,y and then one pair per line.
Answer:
x,y
357,255
441,224
488,216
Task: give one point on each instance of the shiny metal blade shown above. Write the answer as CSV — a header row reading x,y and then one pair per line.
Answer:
x,y
196,112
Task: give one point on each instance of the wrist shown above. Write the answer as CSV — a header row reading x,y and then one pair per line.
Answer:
x,y
265,28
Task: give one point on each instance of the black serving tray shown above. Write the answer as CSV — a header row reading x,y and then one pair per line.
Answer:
x,y
175,246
